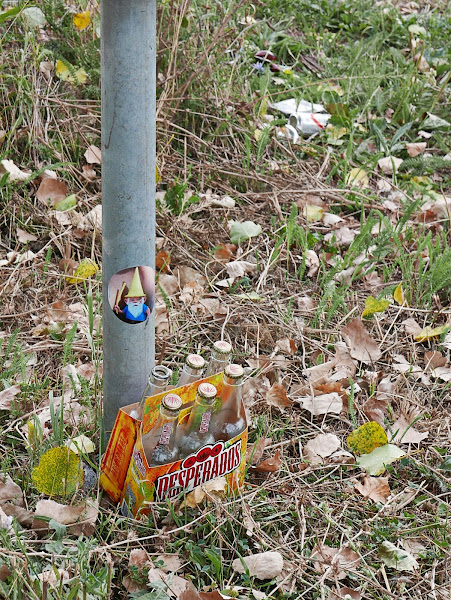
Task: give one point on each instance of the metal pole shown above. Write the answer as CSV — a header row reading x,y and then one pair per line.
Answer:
x,y
128,34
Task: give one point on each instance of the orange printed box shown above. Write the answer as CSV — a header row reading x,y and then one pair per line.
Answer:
x,y
141,484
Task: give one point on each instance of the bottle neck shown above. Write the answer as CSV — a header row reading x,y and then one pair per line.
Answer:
x,y
199,419
232,392
217,363
155,385
165,427
189,375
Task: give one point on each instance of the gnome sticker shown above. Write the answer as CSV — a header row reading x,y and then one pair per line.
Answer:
x,y
131,294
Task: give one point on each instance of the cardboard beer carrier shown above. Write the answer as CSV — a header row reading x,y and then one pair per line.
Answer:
x,y
127,477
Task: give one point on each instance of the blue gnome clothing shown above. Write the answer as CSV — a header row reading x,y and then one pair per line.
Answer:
x,y
142,317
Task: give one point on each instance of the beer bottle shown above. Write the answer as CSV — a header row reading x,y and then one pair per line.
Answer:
x,y
159,443
192,369
158,381
220,356
229,421
196,432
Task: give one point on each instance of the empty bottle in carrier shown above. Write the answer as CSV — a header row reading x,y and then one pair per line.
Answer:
x,y
229,421
196,433
158,381
192,369
159,444
220,357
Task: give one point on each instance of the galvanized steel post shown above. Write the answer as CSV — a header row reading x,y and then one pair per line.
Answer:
x,y
128,34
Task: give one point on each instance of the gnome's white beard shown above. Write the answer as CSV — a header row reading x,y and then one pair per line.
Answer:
x,y
135,309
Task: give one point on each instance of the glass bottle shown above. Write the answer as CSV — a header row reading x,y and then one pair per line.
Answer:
x,y
158,381
159,443
230,420
220,356
196,432
192,369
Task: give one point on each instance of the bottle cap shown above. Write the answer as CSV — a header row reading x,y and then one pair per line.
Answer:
x,y
207,391
172,402
222,347
234,371
195,361
161,373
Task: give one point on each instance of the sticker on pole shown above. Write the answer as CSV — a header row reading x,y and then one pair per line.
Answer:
x,y
131,294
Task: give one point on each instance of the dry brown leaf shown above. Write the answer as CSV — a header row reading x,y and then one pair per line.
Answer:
x,y
434,359
341,457
329,388
254,452
7,396
211,307
24,517
54,578
79,519
177,586
186,275
88,370
416,148
168,284
414,547
373,280
15,174
224,252
386,388
23,236
172,562
345,366
51,191
412,436
139,558
375,488
389,164
93,155
163,261
10,492
277,396
345,593
312,262
324,444
321,373
306,303
361,345
270,465
323,405
411,326
344,236
402,365
93,219
375,410
88,172
253,387
4,573
287,346
443,373
211,488
191,293
334,562
265,565
67,266
423,66
240,268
